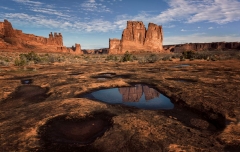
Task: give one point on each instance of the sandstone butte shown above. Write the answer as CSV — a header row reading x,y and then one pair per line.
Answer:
x,y
15,40
136,38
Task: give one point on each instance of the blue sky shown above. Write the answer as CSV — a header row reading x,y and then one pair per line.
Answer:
x,y
92,22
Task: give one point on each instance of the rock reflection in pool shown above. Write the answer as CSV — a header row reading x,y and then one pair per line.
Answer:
x,y
140,96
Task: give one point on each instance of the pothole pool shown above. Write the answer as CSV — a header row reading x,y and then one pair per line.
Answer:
x,y
140,96
66,132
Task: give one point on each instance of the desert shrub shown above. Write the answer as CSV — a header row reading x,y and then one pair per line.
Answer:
x,y
152,58
142,60
3,63
188,54
127,57
20,62
31,56
182,58
176,55
166,58
111,58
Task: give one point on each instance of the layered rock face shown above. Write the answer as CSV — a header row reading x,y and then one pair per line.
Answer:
x,y
11,39
135,38
73,50
134,94
203,46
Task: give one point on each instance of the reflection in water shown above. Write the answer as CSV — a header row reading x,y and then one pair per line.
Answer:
x,y
140,96
27,81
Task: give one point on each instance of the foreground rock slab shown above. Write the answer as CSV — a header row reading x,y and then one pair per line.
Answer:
x,y
205,115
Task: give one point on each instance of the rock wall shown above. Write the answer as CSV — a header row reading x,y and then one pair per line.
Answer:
x,y
135,38
15,39
134,94
203,46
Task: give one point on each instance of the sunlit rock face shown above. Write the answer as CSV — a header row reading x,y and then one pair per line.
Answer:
x,y
136,38
12,39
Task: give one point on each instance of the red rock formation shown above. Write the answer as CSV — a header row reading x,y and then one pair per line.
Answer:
x,y
76,49
134,94
15,39
203,46
114,45
8,30
136,38
154,37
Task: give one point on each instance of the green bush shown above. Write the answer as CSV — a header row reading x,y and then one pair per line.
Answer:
x,y
188,54
127,57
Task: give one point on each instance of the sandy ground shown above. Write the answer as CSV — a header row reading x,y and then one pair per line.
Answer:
x,y
206,114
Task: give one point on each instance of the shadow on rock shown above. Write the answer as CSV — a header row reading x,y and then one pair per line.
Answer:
x,y
194,118
26,94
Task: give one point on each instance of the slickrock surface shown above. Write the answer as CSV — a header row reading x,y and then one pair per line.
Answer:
x,y
205,115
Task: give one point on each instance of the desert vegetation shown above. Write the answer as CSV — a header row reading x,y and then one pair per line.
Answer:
x,y
31,58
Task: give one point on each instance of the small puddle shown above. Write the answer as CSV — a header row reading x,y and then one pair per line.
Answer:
x,y
75,73
181,65
154,70
102,79
27,81
140,96
108,75
104,76
181,80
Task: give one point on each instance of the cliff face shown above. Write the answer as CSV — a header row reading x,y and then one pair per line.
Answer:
x,y
136,38
134,94
12,39
203,46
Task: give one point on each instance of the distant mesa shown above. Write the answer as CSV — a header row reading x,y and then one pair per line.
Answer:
x,y
12,39
178,48
136,38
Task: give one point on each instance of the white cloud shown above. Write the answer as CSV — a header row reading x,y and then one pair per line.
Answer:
x,y
49,11
93,6
170,26
214,11
199,27
96,25
28,2
210,28
6,8
183,30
